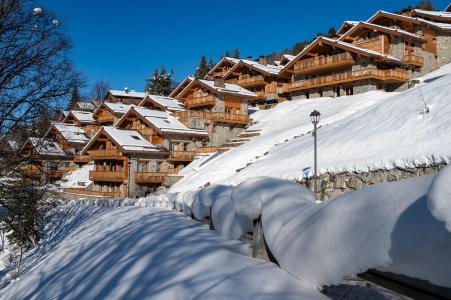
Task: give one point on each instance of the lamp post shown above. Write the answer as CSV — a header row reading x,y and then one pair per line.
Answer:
x,y
314,117
128,179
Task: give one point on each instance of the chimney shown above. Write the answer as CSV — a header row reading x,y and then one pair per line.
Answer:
x,y
126,89
262,60
219,82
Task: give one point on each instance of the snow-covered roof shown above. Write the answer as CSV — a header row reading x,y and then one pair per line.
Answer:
x,y
86,105
289,56
229,88
71,133
224,59
46,147
14,145
118,108
448,8
165,122
126,93
268,69
381,28
444,15
415,20
344,45
181,86
168,103
347,23
81,116
442,26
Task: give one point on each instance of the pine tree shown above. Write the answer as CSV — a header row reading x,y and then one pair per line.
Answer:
x,y
227,54
211,64
236,53
202,70
160,83
74,98
332,32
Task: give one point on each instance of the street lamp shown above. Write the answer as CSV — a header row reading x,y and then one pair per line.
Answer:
x,y
314,117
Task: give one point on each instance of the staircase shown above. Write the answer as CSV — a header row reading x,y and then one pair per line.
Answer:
x,y
243,137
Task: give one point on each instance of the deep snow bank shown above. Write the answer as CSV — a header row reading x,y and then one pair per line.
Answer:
x,y
439,197
145,253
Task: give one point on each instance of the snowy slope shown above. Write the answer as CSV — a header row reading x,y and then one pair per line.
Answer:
x,y
359,133
145,253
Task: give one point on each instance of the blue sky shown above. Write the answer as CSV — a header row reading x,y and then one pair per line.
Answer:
x,y
121,42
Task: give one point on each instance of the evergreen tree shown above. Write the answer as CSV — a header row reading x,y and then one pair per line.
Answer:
x,y
203,69
332,32
211,64
227,54
160,83
236,53
74,98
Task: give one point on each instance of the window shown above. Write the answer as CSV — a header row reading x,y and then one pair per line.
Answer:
x,y
136,137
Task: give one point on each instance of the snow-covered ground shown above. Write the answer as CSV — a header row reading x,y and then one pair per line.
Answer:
x,y
146,253
364,132
78,177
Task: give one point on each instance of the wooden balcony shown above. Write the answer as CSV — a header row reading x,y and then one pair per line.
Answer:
x,y
107,176
209,100
321,63
82,191
34,172
82,158
105,154
207,149
105,119
182,155
249,81
214,116
261,94
414,60
150,177
389,76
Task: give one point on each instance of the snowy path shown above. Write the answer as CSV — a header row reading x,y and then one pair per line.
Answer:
x,y
137,253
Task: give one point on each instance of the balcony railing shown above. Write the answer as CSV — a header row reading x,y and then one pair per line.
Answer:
x,y
105,154
82,158
414,60
105,119
249,81
182,155
323,62
393,75
150,177
261,94
207,149
83,191
209,100
214,116
108,176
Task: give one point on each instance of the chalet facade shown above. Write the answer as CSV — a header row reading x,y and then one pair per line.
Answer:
x,y
218,107
83,119
222,67
126,164
263,80
70,138
162,103
108,113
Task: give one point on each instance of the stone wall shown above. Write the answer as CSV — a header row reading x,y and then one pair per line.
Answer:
x,y
331,185
363,86
397,47
443,48
223,132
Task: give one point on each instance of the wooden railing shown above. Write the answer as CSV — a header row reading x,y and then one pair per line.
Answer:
x,y
321,62
414,59
200,101
261,94
214,116
82,158
220,73
105,154
393,75
248,81
177,155
105,119
83,191
108,176
377,44
150,177
206,149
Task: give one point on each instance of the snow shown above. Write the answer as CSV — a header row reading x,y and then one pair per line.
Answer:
x,y
37,11
71,133
229,88
440,14
145,253
117,108
439,197
130,94
271,69
360,133
371,25
86,105
82,116
78,177
46,147
165,122
168,103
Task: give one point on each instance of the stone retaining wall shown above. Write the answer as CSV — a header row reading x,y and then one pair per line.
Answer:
x,y
332,185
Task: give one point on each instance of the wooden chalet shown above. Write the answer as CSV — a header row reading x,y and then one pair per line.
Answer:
x,y
126,96
83,119
332,68
126,164
263,80
179,88
108,113
164,130
46,160
435,16
222,67
216,106
71,138
162,103
84,106
434,51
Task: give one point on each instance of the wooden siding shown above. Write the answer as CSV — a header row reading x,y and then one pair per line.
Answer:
x,y
323,62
